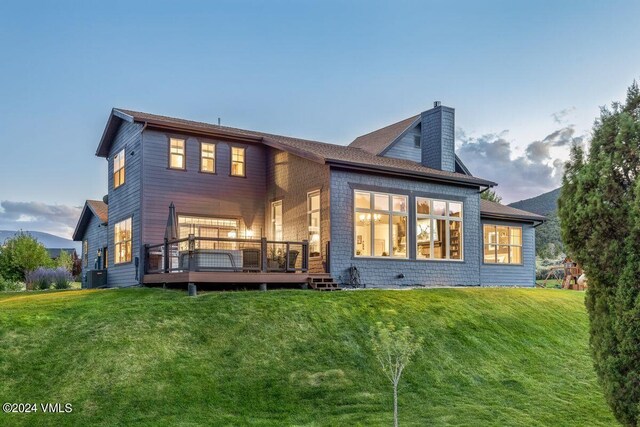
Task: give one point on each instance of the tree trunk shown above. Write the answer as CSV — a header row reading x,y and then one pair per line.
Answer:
x,y
395,405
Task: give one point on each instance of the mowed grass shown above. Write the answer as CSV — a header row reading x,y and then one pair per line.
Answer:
x,y
491,357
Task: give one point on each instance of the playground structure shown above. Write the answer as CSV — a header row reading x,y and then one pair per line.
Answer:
x,y
570,273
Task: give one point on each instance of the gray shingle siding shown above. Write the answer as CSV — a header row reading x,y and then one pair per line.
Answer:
x,y
201,194
96,236
405,147
124,202
385,271
512,275
289,179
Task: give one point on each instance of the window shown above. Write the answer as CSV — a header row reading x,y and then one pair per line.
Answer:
x,y
276,220
502,244
176,154
313,218
237,161
438,229
416,141
85,253
118,169
207,157
208,227
122,240
380,224
105,257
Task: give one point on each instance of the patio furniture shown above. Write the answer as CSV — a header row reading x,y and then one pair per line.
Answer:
x,y
251,259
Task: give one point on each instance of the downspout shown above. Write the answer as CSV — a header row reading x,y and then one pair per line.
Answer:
x,y
139,275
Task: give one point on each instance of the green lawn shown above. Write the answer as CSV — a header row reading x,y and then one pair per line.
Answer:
x,y
492,357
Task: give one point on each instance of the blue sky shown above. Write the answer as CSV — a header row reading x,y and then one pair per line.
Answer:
x,y
526,79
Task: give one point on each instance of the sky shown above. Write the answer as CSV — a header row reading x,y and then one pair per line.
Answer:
x,y
527,80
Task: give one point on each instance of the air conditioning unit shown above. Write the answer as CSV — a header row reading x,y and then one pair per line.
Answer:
x,y
96,279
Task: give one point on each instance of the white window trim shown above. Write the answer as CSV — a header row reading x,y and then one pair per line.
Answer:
x,y
309,212
116,242
446,217
391,214
521,246
273,219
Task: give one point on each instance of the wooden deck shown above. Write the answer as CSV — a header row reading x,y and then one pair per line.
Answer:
x,y
227,277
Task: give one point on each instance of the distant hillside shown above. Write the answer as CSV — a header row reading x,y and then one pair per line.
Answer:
x,y
542,204
548,238
48,240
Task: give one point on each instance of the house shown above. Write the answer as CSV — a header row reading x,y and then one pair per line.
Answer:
x,y
252,207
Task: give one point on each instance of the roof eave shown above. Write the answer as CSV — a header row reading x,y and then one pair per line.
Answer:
x,y
115,119
401,172
507,217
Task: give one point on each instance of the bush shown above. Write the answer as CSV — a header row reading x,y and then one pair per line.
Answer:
x,y
10,285
43,278
20,254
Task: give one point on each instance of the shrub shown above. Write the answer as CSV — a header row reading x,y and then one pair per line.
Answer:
x,y
43,278
10,285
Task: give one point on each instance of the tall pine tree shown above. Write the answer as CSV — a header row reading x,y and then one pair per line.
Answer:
x,y
599,210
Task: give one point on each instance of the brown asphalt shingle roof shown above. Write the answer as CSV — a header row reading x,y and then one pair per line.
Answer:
x,y
496,210
314,150
100,208
377,141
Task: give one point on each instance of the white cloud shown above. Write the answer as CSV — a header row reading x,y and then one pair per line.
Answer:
x,y
35,216
534,172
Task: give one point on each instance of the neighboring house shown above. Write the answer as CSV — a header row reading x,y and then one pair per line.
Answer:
x,y
396,203
91,230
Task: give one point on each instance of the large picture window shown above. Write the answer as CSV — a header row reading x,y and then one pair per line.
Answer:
x,y
380,224
502,244
313,218
118,169
122,240
438,229
209,227
177,153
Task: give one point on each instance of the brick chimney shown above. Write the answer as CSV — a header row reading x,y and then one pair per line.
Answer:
x,y
438,138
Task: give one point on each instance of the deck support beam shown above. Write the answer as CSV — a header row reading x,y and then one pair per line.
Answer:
x,y
263,287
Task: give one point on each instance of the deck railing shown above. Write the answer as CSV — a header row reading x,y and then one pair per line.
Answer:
x,y
226,254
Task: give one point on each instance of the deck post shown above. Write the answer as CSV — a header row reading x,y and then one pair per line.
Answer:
x,y
305,255
193,291
166,255
263,254
263,287
145,265
192,248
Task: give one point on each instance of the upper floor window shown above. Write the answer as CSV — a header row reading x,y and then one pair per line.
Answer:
x,y
438,229
238,161
122,241
207,157
416,141
313,219
118,169
380,224
176,153
502,244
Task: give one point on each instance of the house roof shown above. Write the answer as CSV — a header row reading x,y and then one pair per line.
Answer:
x,y
377,141
97,208
321,152
497,211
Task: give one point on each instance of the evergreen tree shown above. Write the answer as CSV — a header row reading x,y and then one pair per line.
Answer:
x,y
491,196
599,209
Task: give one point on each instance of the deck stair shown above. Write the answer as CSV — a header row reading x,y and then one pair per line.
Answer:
x,y
323,282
